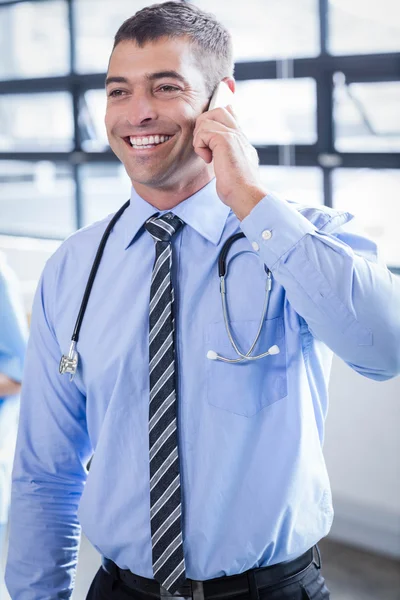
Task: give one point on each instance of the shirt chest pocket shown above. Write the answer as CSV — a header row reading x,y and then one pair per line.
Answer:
x,y
247,387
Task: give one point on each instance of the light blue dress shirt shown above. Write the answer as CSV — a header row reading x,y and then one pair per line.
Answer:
x,y
255,486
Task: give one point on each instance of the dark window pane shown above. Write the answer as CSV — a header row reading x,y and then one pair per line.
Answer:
x,y
268,29
36,122
372,195
277,111
34,39
360,27
367,116
36,198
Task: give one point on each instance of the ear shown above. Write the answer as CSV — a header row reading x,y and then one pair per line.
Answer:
x,y
231,83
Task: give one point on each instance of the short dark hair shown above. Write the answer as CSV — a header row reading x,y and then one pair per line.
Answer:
x,y
212,43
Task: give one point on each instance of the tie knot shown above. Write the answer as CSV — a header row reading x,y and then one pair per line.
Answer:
x,y
163,228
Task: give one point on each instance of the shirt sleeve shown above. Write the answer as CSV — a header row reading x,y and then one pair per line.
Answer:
x,y
13,325
334,280
50,465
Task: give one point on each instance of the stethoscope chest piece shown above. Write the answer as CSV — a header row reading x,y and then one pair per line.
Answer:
x,y
69,364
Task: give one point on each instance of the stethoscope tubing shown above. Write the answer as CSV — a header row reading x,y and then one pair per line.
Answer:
x,y
93,272
68,364
222,274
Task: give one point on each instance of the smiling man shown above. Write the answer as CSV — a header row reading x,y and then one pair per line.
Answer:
x,y
161,93
204,420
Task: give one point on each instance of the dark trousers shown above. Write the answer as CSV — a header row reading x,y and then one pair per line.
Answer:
x,y
309,584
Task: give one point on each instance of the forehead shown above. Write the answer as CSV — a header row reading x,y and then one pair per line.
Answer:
x,y
132,61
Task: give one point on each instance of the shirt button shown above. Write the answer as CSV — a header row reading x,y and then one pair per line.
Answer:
x,y
266,234
256,247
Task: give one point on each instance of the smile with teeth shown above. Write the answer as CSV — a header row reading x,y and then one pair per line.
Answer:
x,y
148,142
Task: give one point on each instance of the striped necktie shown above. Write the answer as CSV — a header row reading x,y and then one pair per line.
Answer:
x,y
165,485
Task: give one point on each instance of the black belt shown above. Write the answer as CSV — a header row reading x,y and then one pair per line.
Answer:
x,y
221,586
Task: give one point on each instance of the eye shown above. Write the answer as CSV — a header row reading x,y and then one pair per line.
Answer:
x,y
169,88
115,93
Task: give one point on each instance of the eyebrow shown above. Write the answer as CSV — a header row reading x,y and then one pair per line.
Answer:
x,y
149,77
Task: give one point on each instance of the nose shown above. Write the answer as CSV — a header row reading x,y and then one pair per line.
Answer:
x,y
141,109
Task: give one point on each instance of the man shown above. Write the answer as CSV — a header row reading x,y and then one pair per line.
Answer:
x,y
13,338
208,477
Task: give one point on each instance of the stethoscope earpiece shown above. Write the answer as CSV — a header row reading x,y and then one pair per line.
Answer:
x,y
274,350
212,355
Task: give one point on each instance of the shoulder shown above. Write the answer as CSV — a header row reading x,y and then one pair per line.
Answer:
x,y
78,247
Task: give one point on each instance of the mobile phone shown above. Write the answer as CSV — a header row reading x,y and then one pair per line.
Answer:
x,y
221,97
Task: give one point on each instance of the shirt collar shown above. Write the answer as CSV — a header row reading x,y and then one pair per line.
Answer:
x,y
203,211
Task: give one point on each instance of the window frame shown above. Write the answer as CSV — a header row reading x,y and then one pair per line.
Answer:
x,y
322,154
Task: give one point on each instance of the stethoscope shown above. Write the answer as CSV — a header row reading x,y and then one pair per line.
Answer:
x,y
222,273
69,363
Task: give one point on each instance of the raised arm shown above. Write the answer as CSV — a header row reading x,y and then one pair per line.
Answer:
x,y
333,280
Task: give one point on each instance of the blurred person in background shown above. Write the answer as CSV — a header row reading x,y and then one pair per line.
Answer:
x,y
223,493
13,338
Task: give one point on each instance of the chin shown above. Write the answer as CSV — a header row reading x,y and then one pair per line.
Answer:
x,y
146,179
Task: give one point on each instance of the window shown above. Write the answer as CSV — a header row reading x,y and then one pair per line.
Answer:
x,y
96,24
373,197
359,27
265,29
105,188
318,95
37,198
91,120
367,116
277,111
34,39
36,122
300,184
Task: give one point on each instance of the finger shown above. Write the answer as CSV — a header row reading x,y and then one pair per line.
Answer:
x,y
205,154
202,149
206,139
231,111
209,134
209,124
218,115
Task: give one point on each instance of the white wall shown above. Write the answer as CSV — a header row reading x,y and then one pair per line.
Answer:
x,y
362,443
362,451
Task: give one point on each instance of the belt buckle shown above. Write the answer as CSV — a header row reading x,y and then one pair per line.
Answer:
x,y
197,592
166,595
317,564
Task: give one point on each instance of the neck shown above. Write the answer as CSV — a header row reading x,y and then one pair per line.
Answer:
x,y
166,198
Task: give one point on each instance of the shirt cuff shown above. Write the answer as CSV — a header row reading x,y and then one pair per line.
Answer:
x,y
273,227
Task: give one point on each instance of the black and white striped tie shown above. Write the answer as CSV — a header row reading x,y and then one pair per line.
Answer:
x,y
165,485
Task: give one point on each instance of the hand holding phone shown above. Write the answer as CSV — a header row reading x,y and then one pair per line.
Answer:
x,y
218,138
